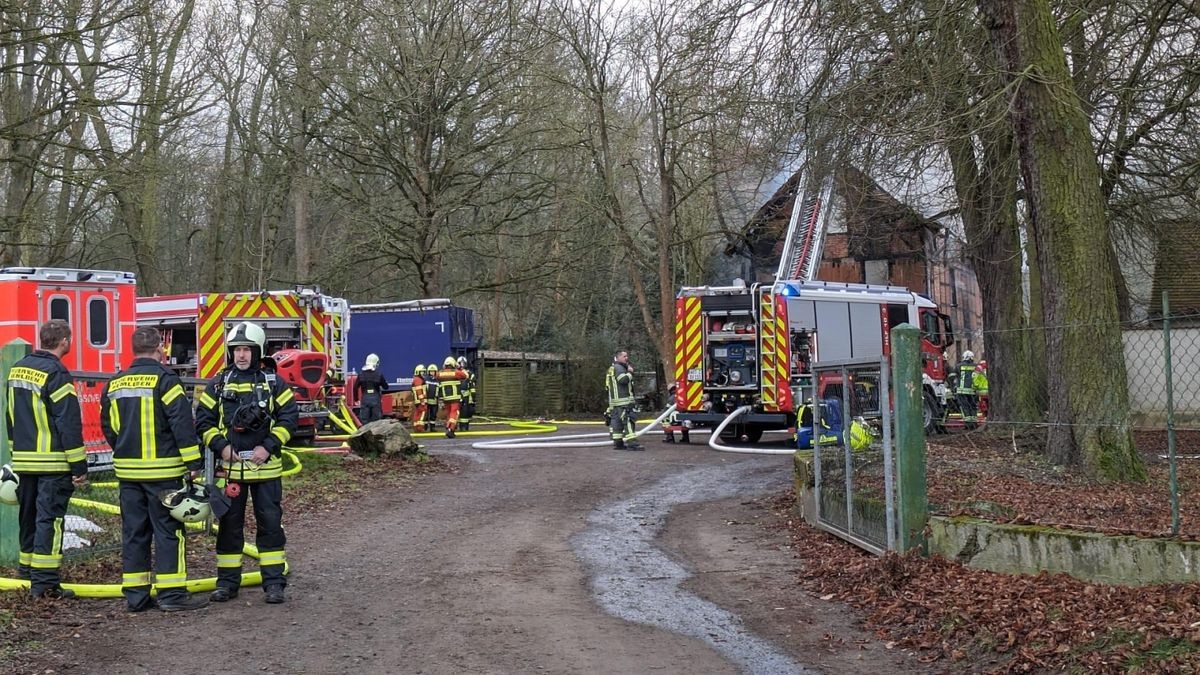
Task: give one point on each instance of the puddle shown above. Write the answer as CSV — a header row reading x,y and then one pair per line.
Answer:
x,y
633,580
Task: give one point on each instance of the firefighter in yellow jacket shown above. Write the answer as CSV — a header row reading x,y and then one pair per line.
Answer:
x,y
420,398
468,395
245,418
619,384
147,420
46,432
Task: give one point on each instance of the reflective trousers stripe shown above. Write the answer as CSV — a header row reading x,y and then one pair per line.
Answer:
x,y
272,558
46,562
229,560
135,579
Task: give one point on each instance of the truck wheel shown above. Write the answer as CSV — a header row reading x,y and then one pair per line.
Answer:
x,y
931,415
742,434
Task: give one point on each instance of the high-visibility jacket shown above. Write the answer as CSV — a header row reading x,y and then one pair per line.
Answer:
x,y
619,384
450,384
247,408
44,423
147,420
418,390
966,378
468,387
981,383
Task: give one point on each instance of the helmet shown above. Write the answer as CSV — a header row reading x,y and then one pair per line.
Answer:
x,y
246,334
462,362
9,481
432,370
419,370
968,355
449,362
372,362
188,504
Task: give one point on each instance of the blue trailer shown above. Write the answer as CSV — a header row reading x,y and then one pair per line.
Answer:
x,y
404,334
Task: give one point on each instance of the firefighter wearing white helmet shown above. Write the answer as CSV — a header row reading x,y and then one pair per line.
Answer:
x,y
147,420
368,389
46,431
9,483
965,391
450,379
468,395
245,417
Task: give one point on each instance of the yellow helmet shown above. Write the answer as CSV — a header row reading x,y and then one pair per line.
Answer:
x,y
432,369
450,363
860,436
419,370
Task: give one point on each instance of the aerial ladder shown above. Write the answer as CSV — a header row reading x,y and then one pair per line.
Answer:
x,y
801,256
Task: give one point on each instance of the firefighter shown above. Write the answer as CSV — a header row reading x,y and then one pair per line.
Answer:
x,y
147,420
245,418
468,396
45,429
369,390
431,397
420,401
619,384
965,391
981,387
673,424
450,381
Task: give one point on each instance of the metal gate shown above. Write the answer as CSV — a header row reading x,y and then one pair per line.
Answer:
x,y
854,463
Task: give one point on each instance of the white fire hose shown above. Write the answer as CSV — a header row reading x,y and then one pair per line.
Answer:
x,y
714,439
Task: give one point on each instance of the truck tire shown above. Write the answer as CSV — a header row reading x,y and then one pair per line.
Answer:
x,y
735,434
931,414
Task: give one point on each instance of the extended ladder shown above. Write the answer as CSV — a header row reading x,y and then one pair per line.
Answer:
x,y
801,257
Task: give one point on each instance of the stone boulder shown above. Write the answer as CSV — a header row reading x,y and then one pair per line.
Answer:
x,y
383,438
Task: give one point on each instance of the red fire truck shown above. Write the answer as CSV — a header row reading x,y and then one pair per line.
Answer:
x,y
306,337
738,345
99,305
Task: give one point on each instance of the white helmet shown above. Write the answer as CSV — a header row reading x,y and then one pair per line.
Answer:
x,y
246,334
968,355
462,362
372,362
9,481
188,504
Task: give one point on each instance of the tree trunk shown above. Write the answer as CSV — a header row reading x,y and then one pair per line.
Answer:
x,y
1088,395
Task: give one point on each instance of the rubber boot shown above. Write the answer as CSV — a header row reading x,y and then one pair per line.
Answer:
x,y
618,444
670,437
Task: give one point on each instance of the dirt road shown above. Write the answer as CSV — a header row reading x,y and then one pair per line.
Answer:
x,y
567,560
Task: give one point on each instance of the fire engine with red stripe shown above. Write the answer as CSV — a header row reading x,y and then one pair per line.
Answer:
x,y
306,339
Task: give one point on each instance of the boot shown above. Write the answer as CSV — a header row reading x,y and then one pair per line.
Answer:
x,y
618,444
188,603
670,437
449,433
683,436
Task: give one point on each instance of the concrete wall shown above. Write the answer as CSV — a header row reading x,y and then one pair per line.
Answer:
x,y
1030,549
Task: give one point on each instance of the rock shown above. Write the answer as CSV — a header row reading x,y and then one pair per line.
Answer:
x,y
383,438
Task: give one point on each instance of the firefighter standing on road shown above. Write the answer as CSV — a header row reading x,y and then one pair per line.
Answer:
x,y
431,397
369,388
619,384
245,418
468,395
147,421
450,379
46,432
965,391
420,401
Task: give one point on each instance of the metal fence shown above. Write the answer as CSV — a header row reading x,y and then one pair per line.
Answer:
x,y
851,431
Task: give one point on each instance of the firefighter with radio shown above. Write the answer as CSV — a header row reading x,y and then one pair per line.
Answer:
x,y
147,420
450,386
619,384
245,417
369,388
468,395
45,429
420,400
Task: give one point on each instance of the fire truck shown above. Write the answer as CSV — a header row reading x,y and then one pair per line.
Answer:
x,y
754,345
100,307
306,339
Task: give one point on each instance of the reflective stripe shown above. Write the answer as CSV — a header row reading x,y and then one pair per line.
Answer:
x,y
210,435
62,392
251,472
229,560
147,420
29,461
135,579
133,468
114,418
189,454
131,393
271,558
172,394
56,543
75,454
24,558
42,422
43,561
170,580
25,384
207,400
282,434
285,396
